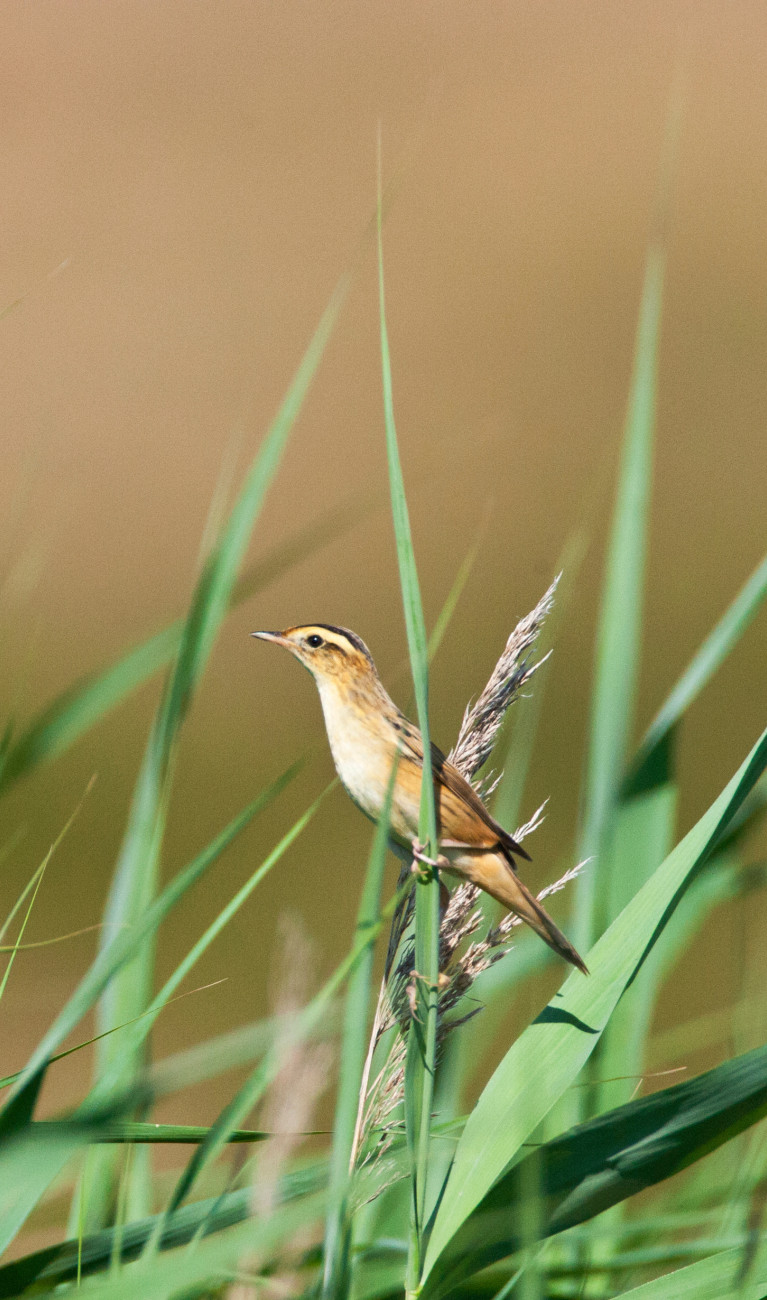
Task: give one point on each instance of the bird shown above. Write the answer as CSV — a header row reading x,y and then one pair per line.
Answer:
x,y
368,734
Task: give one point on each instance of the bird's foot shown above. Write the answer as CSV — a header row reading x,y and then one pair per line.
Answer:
x,y
420,856
443,982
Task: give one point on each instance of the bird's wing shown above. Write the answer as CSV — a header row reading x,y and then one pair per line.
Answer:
x,y
481,827
461,813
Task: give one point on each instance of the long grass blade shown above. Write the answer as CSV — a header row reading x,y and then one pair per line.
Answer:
x,y
123,945
605,1161
177,1273
135,1033
31,890
620,620
135,879
68,1260
705,663
299,1027
715,1278
71,714
618,638
545,1060
78,1047
121,1132
422,1038
336,1249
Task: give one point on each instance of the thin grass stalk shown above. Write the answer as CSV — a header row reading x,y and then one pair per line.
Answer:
x,y
702,667
72,713
135,880
79,1047
452,598
618,645
618,639
618,649
122,947
422,1036
460,965
304,1024
32,887
140,1028
336,1262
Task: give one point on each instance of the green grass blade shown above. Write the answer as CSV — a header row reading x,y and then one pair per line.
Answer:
x,y
124,944
295,1030
453,596
32,889
182,1272
59,1263
225,1052
124,1131
30,886
642,837
336,1249
545,1060
78,1047
32,1156
618,638
698,673
13,951
79,708
49,943
716,1278
422,1038
136,1032
604,1161
116,955
135,880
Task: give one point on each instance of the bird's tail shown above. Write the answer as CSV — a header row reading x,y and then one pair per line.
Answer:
x,y
497,878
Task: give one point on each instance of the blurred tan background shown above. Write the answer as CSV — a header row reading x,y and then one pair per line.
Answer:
x,y
208,169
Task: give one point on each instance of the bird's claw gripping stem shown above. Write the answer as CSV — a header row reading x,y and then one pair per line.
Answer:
x,y
420,856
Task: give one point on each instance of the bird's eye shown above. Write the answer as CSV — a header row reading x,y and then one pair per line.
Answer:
x,y
314,641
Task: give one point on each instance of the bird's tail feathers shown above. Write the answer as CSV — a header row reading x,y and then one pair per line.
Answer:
x,y
496,878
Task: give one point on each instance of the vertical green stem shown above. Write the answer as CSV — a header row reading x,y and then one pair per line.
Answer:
x,y
419,1065
422,1037
336,1262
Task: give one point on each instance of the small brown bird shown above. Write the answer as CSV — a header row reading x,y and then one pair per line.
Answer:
x,y
367,733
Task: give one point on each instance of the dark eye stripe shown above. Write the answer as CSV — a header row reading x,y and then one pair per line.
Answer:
x,y
355,641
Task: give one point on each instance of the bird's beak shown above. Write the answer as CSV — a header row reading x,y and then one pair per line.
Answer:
x,y
277,637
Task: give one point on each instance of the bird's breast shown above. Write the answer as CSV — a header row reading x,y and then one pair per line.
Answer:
x,y
363,752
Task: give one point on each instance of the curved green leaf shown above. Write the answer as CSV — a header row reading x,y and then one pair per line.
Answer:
x,y
602,1162
716,1278
546,1058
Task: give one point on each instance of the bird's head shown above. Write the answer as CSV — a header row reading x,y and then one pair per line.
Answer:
x,y
328,652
